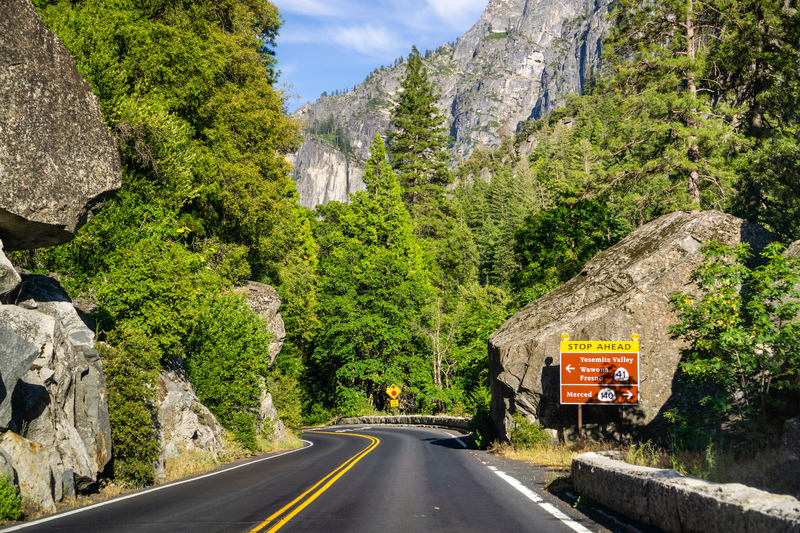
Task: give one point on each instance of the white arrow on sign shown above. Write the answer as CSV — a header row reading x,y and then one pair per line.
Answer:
x,y
628,394
570,369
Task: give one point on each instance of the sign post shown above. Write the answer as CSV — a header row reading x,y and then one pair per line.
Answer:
x,y
393,391
599,373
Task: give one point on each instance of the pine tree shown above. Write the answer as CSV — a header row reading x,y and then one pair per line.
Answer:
x,y
420,159
754,64
419,140
673,145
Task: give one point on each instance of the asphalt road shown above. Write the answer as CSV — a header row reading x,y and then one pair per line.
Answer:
x,y
352,480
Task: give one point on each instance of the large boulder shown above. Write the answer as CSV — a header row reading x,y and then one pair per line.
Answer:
x,y
58,161
60,402
9,277
622,291
265,302
16,356
183,422
34,474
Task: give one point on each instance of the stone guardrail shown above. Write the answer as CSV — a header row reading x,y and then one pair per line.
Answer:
x,y
682,504
456,422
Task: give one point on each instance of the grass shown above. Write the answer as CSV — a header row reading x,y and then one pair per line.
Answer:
x,y
498,35
192,462
762,468
187,463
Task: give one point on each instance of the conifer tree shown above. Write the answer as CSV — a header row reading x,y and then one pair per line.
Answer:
x,y
419,157
754,64
419,140
673,144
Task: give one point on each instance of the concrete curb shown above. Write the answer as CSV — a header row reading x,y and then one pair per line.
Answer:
x,y
682,504
408,420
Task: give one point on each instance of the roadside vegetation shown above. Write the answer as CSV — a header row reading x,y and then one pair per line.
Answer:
x,y
405,283
756,464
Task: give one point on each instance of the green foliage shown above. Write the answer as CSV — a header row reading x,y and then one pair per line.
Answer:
x,y
419,139
754,67
479,403
227,359
131,368
286,394
10,500
187,90
525,434
373,286
152,287
333,133
479,311
315,414
673,147
496,35
743,333
553,245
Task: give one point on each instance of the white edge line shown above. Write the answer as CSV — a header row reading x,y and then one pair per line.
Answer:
x,y
519,486
569,522
461,442
154,489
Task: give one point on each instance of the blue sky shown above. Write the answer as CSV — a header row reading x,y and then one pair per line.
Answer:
x,y
326,45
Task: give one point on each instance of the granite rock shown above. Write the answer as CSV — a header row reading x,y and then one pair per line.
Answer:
x,y
58,161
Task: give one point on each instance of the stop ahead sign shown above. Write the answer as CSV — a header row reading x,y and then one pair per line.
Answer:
x,y
600,372
393,391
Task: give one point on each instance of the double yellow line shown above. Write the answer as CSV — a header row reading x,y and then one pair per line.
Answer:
x,y
307,497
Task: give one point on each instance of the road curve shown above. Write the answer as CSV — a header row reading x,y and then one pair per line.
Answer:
x,y
354,480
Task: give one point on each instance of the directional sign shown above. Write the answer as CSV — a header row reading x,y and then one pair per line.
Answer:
x,y
393,390
600,372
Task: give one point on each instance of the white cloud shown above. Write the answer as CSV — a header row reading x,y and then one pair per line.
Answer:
x,y
367,40
314,8
457,12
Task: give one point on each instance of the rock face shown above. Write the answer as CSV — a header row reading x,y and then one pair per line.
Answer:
x,y
323,173
59,403
9,278
34,472
265,302
183,422
16,356
267,415
623,290
58,161
518,61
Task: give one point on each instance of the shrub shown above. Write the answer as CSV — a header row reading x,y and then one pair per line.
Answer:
x,y
742,333
526,434
479,403
131,367
317,415
10,501
227,350
285,392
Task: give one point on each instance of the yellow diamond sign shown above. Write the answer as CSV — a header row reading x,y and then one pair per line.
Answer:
x,y
393,391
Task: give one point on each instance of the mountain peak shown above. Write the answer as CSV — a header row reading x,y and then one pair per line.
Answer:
x,y
518,61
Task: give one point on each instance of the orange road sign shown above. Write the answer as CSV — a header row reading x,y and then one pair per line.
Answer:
x,y
599,372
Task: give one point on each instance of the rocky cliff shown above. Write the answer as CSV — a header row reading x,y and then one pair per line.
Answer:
x,y
518,61
56,409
